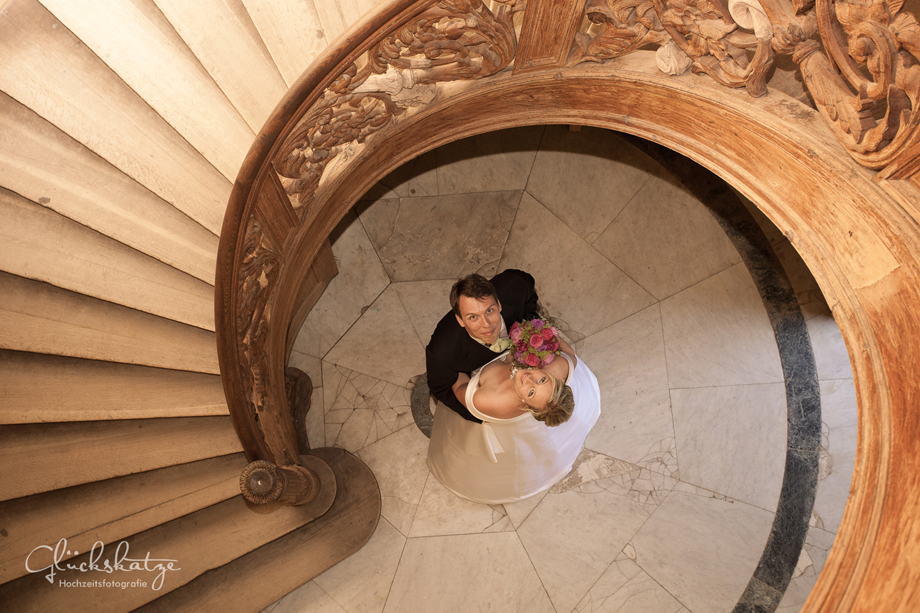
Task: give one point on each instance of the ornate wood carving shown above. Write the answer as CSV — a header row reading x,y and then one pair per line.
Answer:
x,y
453,40
258,274
867,83
623,26
864,84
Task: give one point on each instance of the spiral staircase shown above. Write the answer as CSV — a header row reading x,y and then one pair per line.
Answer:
x,y
123,126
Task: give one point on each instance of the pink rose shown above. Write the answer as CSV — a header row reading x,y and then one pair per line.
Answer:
x,y
547,333
549,359
552,346
555,331
536,340
515,333
532,360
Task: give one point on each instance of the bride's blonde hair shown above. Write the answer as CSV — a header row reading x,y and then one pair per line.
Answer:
x,y
558,408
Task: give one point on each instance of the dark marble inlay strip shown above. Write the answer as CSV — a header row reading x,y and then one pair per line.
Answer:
x,y
800,479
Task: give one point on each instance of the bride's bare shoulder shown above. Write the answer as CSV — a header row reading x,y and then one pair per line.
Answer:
x,y
493,404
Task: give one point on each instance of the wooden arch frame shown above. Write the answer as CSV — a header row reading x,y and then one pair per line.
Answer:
x,y
857,234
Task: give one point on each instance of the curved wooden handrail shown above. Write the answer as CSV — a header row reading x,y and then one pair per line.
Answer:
x,y
854,229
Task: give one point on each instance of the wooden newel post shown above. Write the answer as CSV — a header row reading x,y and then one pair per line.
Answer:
x,y
262,482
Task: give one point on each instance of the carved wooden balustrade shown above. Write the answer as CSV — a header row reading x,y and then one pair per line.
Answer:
x,y
841,181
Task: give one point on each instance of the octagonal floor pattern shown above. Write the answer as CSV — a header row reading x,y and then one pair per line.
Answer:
x,y
672,500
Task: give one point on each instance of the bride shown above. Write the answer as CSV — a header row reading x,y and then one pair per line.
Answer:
x,y
534,425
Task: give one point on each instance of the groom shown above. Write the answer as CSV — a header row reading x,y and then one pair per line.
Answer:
x,y
476,329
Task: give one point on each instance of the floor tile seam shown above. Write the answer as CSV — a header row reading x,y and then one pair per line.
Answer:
x,y
398,564
591,245
377,441
726,497
703,387
659,584
419,503
331,597
667,377
648,177
534,566
403,305
733,499
491,191
740,262
367,234
517,209
402,385
533,162
345,333
621,320
374,247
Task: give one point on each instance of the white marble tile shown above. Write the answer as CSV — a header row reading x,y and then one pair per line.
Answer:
x,y
572,538
702,549
399,462
590,466
361,582
836,477
418,177
628,360
626,588
361,409
521,510
474,572
493,161
665,239
831,355
308,598
640,485
732,440
310,365
838,403
382,343
440,237
361,278
585,178
441,512
717,333
425,302
573,280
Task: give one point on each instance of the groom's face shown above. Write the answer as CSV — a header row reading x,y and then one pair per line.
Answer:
x,y
481,318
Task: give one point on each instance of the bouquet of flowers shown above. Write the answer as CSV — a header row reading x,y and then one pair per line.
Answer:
x,y
534,343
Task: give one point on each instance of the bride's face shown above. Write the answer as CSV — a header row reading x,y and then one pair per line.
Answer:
x,y
481,318
534,387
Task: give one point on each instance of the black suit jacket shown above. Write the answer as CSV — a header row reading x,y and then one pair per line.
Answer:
x,y
451,350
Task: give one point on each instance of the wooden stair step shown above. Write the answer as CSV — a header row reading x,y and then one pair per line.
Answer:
x,y
53,456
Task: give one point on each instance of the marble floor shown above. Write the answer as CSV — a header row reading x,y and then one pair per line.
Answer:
x,y
671,503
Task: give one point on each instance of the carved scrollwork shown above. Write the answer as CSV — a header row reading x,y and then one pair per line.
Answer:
x,y
706,32
257,276
623,26
452,40
867,85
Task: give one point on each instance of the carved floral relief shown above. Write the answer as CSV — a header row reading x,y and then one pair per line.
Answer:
x,y
257,276
452,40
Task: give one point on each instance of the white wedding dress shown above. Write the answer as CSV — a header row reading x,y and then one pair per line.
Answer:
x,y
506,460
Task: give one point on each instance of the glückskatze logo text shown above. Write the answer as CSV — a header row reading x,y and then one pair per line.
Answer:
x,y
53,560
